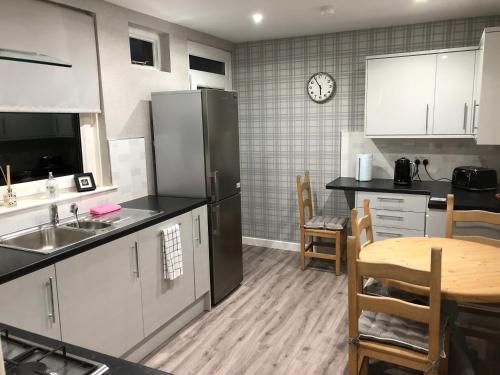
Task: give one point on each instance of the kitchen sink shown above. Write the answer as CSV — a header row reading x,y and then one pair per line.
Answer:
x,y
44,239
89,225
48,238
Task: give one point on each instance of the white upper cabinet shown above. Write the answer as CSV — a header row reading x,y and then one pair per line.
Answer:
x,y
400,95
453,104
486,111
426,94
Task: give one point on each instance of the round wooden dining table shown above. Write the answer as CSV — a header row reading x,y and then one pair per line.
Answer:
x,y
470,271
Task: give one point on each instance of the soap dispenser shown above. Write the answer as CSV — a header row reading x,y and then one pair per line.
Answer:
x,y
52,190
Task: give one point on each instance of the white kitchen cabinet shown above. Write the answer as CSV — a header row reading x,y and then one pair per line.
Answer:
x,y
400,95
486,111
201,251
394,215
163,299
453,104
100,297
30,302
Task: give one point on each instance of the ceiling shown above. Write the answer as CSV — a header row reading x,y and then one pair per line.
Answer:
x,y
232,19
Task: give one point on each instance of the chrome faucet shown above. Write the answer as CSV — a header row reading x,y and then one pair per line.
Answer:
x,y
74,210
54,214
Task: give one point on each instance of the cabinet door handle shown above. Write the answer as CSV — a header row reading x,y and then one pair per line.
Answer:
x,y
390,199
198,229
474,127
391,217
389,234
136,254
465,117
426,118
52,312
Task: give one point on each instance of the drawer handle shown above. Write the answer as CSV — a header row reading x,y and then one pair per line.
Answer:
x,y
389,234
390,199
391,217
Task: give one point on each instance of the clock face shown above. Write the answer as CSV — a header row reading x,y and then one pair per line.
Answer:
x,y
321,87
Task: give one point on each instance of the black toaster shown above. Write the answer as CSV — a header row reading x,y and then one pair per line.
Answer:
x,y
474,178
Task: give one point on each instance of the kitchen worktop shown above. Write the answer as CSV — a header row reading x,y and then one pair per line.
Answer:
x,y
17,263
116,366
464,199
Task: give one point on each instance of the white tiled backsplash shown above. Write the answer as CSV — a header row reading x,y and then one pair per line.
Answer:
x,y
128,167
443,154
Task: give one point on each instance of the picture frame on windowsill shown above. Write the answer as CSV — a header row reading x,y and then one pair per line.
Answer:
x,y
84,182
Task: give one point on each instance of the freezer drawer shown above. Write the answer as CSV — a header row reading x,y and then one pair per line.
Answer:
x,y
226,258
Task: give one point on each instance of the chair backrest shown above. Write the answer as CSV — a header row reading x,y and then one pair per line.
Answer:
x,y
304,203
453,216
362,224
430,315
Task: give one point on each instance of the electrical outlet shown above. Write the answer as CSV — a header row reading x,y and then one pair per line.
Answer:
x,y
425,162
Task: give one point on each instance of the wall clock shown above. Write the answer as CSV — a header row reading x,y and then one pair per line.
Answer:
x,y
321,87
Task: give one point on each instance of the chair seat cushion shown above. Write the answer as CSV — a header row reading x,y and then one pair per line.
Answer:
x,y
394,330
326,222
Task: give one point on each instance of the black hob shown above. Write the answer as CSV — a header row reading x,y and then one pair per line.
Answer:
x,y
22,357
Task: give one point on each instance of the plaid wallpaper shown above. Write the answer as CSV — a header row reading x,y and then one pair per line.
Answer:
x,y
283,133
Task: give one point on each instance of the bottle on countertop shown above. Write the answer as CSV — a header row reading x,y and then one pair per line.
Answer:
x,y
52,188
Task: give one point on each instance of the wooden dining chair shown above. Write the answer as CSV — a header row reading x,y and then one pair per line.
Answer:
x,y
392,330
330,227
362,224
476,319
453,216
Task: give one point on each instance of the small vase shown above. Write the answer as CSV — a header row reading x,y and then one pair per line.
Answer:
x,y
9,198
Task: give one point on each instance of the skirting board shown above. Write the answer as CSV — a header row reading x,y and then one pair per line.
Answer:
x,y
273,244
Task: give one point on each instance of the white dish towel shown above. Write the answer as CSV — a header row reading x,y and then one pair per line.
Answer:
x,y
172,252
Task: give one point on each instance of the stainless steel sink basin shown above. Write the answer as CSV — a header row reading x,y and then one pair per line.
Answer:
x,y
44,239
89,225
49,238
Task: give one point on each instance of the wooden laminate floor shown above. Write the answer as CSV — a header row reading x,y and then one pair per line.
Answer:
x,y
280,321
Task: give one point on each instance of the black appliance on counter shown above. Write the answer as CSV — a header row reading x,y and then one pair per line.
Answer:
x,y
474,178
26,357
402,172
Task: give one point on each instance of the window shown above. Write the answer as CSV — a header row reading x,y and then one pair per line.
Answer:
x,y
34,144
206,65
144,48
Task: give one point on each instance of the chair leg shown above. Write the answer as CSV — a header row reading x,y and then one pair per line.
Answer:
x,y
338,253
302,250
363,366
353,360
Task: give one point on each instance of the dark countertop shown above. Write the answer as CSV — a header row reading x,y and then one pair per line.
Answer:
x,y
464,199
17,263
116,366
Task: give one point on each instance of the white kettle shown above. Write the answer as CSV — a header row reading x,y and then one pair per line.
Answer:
x,y
364,164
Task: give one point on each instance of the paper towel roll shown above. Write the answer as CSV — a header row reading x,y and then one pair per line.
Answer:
x,y
364,164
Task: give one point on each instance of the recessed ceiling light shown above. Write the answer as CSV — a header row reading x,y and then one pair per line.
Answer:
x,y
257,18
420,1
327,10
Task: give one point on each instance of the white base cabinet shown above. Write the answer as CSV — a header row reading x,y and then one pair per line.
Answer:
x,y
114,298
394,215
100,297
30,302
162,299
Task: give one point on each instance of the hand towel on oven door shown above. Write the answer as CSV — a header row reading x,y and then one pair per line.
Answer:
x,y
172,252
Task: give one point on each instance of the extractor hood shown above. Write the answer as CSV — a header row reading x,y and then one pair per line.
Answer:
x,y
31,57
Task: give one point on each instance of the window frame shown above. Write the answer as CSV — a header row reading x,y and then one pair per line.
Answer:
x,y
147,36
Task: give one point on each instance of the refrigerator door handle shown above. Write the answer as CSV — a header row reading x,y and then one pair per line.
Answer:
x,y
215,177
216,221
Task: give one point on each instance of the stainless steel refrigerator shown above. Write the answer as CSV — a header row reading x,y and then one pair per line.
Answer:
x,y
196,147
